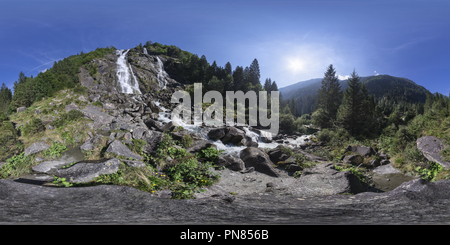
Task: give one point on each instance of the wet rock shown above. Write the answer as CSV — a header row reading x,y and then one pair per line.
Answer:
x,y
83,172
324,179
36,147
217,133
431,148
234,136
47,166
120,149
254,157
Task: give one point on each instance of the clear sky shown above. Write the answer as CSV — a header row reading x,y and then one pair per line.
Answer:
x,y
292,40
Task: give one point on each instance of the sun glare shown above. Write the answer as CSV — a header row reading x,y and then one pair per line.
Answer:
x,y
295,64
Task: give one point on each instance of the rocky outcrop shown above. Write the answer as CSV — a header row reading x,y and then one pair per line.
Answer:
x,y
97,115
120,149
36,147
229,162
20,109
83,172
254,157
199,145
47,166
324,179
431,148
362,150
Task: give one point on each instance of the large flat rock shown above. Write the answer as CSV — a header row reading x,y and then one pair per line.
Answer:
x,y
36,147
414,202
96,114
83,172
431,148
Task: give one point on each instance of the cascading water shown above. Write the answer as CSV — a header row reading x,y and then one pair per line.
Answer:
x,y
229,149
162,75
145,51
125,75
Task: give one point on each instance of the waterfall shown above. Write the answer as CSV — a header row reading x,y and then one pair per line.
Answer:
x,y
145,51
162,75
125,75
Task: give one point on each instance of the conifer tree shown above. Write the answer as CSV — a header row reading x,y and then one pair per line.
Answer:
x,y
355,112
329,99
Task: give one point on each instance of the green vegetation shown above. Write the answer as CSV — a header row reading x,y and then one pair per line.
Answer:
x,y
55,150
15,166
67,118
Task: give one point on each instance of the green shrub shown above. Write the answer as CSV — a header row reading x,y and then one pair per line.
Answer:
x,y
55,150
15,166
67,117
98,104
33,127
209,153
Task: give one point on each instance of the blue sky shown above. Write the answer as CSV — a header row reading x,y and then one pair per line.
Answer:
x,y
292,40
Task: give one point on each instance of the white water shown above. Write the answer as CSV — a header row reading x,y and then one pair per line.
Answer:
x,y
125,75
162,75
229,149
145,51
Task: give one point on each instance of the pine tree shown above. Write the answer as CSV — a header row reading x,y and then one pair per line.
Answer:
x,y
329,99
228,69
268,85
274,86
355,113
5,98
254,73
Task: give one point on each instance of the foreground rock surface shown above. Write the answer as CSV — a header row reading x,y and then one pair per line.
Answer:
x,y
413,202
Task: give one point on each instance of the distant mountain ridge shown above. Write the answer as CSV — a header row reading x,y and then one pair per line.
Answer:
x,y
379,86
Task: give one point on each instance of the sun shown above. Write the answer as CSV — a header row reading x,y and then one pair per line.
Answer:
x,y
295,64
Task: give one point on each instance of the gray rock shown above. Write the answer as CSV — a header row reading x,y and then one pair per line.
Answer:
x,y
234,136
120,149
324,179
386,169
217,133
254,157
353,159
169,126
151,123
36,147
94,97
152,138
97,115
50,127
199,145
136,164
215,191
431,148
70,107
363,150
294,168
109,106
47,166
230,162
140,132
83,172
20,109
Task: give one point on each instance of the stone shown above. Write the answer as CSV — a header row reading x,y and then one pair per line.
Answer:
x,y
386,169
216,133
151,123
94,97
255,157
230,162
47,166
120,149
324,179
363,150
234,136
199,145
70,107
139,133
431,148
20,109
136,164
97,115
36,147
353,159
276,153
152,138
169,126
50,127
294,168
374,163
109,106
215,191
266,137
83,172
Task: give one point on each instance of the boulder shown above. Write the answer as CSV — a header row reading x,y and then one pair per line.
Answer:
x,y
83,172
152,138
151,123
97,115
109,106
254,157
230,162
199,145
431,148
36,147
120,149
217,133
140,132
47,166
266,137
363,150
324,179
276,154
353,159
71,106
234,136
20,109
